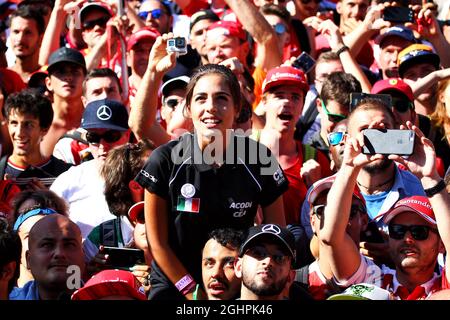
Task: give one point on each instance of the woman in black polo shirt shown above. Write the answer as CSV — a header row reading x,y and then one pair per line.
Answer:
x,y
208,179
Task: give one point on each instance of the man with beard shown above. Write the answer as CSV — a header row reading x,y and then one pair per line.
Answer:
x,y
265,263
381,182
417,225
27,30
218,257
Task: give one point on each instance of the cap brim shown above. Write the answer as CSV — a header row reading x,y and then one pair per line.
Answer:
x,y
105,289
342,296
100,126
425,58
388,216
271,237
53,65
278,83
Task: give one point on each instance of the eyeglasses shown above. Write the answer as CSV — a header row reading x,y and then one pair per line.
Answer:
x,y
172,103
402,105
335,138
333,117
398,231
319,210
279,28
101,22
109,136
24,216
260,253
156,14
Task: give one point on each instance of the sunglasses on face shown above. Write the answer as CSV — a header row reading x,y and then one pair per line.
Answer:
x,y
335,138
333,117
260,253
109,136
319,210
101,22
156,14
398,231
279,28
401,105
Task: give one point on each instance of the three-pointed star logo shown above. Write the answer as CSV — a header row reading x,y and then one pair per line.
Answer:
x,y
104,113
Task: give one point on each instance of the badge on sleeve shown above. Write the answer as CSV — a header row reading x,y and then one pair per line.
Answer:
x,y
188,205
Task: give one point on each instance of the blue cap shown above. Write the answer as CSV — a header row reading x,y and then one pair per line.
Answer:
x,y
24,216
397,31
105,114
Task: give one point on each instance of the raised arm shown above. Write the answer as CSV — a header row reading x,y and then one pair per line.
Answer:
x,y
336,246
55,26
423,84
269,54
142,120
423,164
331,31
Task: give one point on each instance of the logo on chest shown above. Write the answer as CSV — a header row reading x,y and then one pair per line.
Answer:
x,y
185,201
240,207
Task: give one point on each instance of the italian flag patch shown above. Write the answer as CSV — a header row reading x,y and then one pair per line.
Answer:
x,y
188,205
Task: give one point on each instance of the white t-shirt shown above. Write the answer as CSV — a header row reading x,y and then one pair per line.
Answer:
x,y
82,187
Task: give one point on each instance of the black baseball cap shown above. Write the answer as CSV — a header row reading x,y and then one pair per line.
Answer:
x,y
203,15
272,233
105,114
65,54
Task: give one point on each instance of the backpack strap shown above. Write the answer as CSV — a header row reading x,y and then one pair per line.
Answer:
x,y
308,152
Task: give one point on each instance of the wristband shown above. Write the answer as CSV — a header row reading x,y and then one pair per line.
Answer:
x,y
342,49
436,189
184,282
190,288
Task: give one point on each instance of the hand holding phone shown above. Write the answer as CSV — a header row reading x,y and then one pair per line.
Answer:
x,y
124,258
398,14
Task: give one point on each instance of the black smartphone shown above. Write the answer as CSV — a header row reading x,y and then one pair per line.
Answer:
x,y
388,141
357,97
398,14
304,62
124,258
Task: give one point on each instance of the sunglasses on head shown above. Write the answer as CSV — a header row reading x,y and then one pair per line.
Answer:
x,y
279,28
156,14
333,117
319,210
260,253
398,231
335,138
101,22
109,136
401,105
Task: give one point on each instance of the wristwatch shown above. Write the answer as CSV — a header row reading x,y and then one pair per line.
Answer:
x,y
342,49
436,189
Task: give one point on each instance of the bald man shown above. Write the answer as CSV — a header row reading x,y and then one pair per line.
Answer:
x,y
54,244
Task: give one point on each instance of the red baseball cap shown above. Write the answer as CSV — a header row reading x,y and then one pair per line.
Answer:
x,y
111,283
325,184
393,84
135,210
228,28
142,34
285,75
417,204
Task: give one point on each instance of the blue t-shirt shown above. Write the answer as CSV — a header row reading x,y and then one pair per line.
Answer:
x,y
374,203
28,292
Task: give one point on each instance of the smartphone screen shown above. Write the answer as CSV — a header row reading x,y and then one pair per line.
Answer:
x,y
398,14
392,141
124,257
304,62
